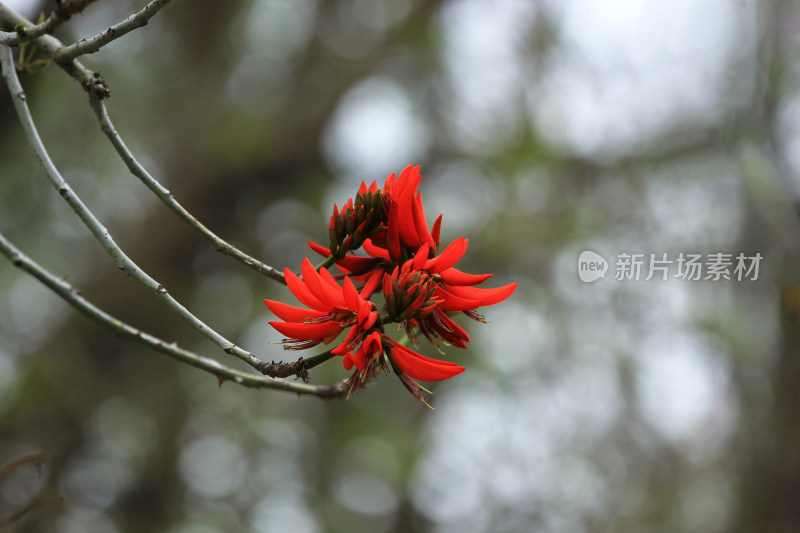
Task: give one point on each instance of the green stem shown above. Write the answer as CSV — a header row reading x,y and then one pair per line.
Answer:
x,y
318,359
327,262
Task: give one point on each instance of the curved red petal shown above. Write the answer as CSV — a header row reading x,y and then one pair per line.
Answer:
x,y
389,184
449,257
393,236
302,293
375,251
321,250
371,319
436,232
422,368
359,358
454,334
351,295
451,302
451,276
421,225
354,263
373,343
485,296
327,278
405,219
319,288
289,313
371,284
408,180
300,330
420,257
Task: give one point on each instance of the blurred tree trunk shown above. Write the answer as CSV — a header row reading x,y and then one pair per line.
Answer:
x,y
770,485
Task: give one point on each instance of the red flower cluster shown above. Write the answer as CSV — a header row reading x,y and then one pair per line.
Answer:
x,y
420,287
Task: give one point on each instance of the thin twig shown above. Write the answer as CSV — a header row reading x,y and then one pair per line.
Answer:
x,y
98,90
97,229
169,200
92,82
23,33
46,499
222,372
37,459
93,44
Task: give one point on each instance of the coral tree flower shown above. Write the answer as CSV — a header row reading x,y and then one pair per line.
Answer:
x,y
333,308
420,285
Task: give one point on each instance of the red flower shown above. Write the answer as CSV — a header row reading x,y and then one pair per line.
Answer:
x,y
392,229
334,308
420,285
420,367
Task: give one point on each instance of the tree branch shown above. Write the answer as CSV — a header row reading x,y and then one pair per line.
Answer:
x,y
92,82
223,373
97,229
25,31
93,44
36,459
98,90
166,197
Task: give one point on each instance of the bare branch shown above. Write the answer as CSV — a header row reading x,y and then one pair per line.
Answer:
x,y
97,88
38,460
93,44
92,82
48,499
97,229
223,373
25,31
166,197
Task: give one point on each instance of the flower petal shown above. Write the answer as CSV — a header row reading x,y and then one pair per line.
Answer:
x,y
351,295
451,302
300,330
324,251
290,313
393,236
375,251
436,232
372,283
486,296
420,257
302,293
417,366
449,257
324,292
451,276
405,219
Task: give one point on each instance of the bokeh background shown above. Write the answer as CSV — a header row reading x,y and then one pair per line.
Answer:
x,y
543,128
